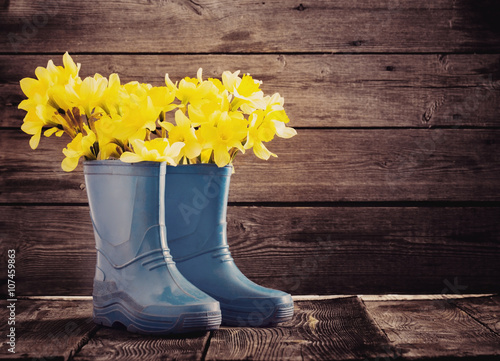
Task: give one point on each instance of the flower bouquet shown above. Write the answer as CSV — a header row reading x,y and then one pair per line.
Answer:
x,y
188,122
157,164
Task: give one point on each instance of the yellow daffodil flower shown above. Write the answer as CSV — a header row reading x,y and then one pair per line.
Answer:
x,y
171,86
136,90
41,105
33,125
104,126
247,94
111,97
210,111
231,81
283,131
248,86
81,146
185,133
195,91
136,120
218,84
70,68
162,98
224,139
156,150
38,90
260,131
247,98
90,92
36,118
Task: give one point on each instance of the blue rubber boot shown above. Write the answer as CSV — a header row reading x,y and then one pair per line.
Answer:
x,y
137,283
196,204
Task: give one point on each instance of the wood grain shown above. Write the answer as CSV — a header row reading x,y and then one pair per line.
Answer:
x,y
335,329
250,26
428,329
113,344
51,330
320,330
396,104
314,166
331,90
485,310
301,250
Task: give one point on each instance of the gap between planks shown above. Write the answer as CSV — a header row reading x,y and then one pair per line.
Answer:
x,y
366,298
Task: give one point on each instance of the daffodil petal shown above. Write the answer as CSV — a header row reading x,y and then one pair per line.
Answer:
x,y
284,131
50,131
205,155
70,64
192,149
181,119
28,86
175,149
221,156
69,164
129,157
35,140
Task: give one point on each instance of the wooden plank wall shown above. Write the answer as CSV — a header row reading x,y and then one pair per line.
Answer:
x,y
391,185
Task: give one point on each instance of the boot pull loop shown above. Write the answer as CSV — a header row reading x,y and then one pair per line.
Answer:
x,y
161,202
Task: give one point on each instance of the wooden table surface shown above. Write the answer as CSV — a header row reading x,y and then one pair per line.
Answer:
x,y
324,328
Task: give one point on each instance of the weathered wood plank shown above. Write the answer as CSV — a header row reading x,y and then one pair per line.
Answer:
x,y
367,250
319,90
113,344
428,329
48,330
343,328
485,310
250,26
316,165
315,250
320,330
401,297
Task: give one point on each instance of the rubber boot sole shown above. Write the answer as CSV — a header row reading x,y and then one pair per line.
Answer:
x,y
255,317
116,314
